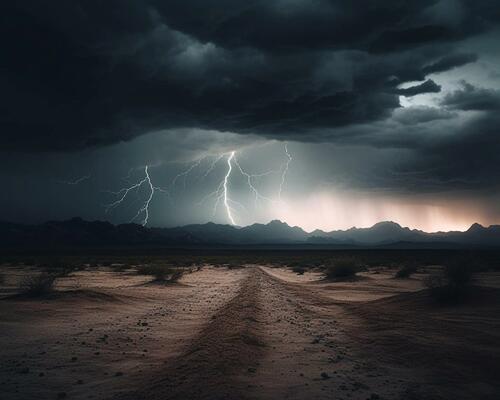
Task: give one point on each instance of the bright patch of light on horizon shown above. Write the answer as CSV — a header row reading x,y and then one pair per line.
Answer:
x,y
343,210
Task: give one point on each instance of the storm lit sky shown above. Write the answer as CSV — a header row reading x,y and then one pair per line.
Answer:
x,y
324,114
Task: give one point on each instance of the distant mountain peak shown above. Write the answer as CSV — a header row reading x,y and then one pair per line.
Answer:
x,y
475,227
78,232
277,222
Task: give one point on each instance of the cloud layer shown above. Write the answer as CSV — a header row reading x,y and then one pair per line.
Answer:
x,y
89,73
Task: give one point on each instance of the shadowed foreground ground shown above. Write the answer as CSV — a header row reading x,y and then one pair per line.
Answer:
x,y
249,333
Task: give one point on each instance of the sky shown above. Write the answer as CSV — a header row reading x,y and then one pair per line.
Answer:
x,y
325,114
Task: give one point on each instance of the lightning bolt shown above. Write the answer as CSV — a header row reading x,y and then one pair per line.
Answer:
x,y
221,194
250,177
212,166
124,192
185,173
74,182
226,197
284,170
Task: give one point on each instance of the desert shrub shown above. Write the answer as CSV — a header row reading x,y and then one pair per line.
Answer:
x,y
450,285
298,269
176,275
161,273
406,271
38,285
341,269
234,266
57,268
120,267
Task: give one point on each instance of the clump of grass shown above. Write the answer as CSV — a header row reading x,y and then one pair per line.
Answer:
x,y
342,268
37,285
161,273
406,271
452,284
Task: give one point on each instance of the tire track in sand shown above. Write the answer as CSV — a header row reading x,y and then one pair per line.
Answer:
x,y
221,357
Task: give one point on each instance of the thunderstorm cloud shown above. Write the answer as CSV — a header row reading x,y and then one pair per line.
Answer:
x,y
411,89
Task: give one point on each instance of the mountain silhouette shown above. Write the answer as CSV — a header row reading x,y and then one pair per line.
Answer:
x,y
78,232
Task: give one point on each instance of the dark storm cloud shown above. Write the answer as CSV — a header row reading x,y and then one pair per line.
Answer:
x,y
468,159
77,74
470,98
449,62
422,114
429,86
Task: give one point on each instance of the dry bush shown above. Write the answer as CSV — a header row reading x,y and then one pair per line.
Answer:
x,y
406,271
38,285
57,268
452,284
175,276
161,273
234,266
298,269
342,268
120,267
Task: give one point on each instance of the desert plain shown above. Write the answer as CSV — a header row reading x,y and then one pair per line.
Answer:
x,y
250,329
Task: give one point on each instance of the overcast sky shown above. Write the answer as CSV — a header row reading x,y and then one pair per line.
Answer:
x,y
322,113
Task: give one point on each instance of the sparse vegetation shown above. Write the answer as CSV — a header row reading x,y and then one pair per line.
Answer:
x,y
406,270
37,285
120,267
176,275
342,268
161,273
298,269
57,268
450,285
234,266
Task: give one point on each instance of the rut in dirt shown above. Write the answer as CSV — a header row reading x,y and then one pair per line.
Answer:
x,y
224,353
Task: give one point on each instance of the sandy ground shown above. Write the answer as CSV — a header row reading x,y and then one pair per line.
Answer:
x,y
248,333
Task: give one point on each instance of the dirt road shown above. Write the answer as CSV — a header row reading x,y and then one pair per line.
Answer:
x,y
280,338
254,333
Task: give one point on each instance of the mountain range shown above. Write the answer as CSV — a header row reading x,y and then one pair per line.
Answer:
x,y
78,232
